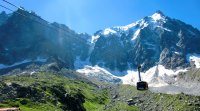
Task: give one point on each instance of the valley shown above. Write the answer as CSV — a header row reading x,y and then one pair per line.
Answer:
x,y
52,90
49,67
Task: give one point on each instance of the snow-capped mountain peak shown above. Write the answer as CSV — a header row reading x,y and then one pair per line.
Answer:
x,y
158,16
127,27
108,31
147,41
155,20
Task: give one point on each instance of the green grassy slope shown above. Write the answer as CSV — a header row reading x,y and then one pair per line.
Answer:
x,y
48,91
45,91
148,101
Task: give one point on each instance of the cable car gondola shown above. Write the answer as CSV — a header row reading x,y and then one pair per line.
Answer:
x,y
141,85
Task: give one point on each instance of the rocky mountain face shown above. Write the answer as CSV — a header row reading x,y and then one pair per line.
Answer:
x,y
155,39
3,17
26,36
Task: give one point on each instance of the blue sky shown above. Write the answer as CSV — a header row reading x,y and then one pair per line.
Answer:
x,y
92,15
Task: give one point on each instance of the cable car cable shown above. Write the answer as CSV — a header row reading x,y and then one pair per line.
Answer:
x,y
32,14
46,25
12,4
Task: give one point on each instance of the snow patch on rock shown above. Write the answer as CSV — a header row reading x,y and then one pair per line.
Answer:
x,y
157,16
136,34
94,38
195,58
3,66
38,59
109,31
97,72
155,76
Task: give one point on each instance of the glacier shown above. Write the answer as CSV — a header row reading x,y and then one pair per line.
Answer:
x,y
38,59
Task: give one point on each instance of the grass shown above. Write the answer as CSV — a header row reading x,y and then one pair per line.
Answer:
x,y
30,106
123,106
95,98
152,101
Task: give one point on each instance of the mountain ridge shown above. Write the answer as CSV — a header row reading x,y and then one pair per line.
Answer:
x,y
47,68
163,28
155,39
